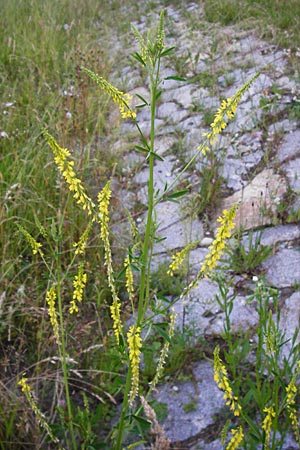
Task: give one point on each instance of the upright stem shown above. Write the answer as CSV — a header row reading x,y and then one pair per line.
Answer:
x,y
147,238
144,279
63,355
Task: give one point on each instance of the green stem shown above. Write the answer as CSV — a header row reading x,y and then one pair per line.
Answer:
x,y
149,223
123,412
63,356
146,257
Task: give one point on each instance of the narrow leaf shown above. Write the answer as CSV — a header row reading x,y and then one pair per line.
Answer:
x,y
138,57
141,149
177,194
156,156
142,98
167,51
175,78
162,332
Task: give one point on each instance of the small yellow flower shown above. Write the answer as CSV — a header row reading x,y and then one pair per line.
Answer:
x,y
236,440
104,200
81,244
50,299
179,257
79,285
118,97
228,108
134,345
129,279
216,249
218,245
291,392
267,423
221,378
66,167
33,404
35,246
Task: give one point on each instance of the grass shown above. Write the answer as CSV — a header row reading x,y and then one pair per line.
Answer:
x,y
276,20
43,46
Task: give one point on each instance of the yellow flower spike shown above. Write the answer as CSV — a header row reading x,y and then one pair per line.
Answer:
x,y
81,244
118,97
65,166
179,257
134,344
267,423
291,392
51,299
35,246
236,440
222,381
104,200
79,283
129,279
218,245
33,404
228,108
216,249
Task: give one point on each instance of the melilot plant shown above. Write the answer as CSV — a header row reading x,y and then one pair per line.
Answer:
x,y
131,341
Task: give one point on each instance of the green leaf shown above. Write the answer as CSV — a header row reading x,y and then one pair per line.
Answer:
x,y
135,444
156,156
158,94
138,57
167,51
174,77
141,149
177,194
144,424
162,331
121,274
142,99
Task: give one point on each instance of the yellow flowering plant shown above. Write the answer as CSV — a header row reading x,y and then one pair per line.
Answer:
x,y
130,341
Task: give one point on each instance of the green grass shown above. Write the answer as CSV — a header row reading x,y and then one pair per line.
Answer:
x,y
275,19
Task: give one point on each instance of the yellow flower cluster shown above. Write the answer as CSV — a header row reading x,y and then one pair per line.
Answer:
x,y
104,200
236,440
217,247
118,97
51,299
129,279
66,167
228,108
291,392
79,283
81,244
221,378
179,257
35,246
33,404
134,345
164,351
267,423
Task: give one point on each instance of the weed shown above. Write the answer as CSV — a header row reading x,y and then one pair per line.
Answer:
x,y
265,389
245,259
